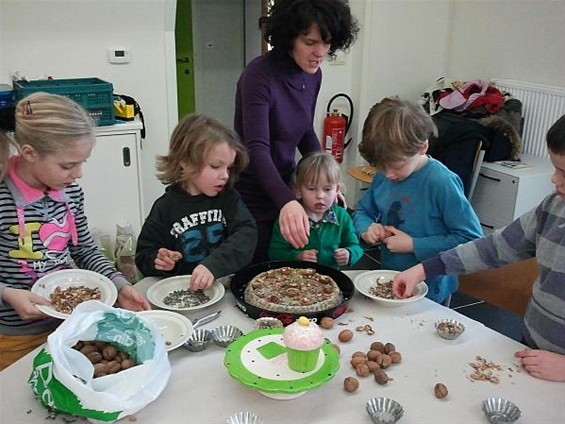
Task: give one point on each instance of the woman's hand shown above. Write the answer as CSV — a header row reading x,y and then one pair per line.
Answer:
x,y
398,241
24,302
404,283
294,224
130,299
166,259
201,278
543,364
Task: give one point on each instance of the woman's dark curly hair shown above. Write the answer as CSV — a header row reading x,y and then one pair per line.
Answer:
x,y
290,18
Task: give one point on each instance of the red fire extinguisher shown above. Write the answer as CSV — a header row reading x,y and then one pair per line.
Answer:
x,y
336,126
334,134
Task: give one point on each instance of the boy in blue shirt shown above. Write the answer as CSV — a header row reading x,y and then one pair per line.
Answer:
x,y
415,206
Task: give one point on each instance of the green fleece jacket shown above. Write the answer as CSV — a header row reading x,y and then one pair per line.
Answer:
x,y
335,230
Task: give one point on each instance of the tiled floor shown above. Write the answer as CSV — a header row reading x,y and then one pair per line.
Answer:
x,y
504,322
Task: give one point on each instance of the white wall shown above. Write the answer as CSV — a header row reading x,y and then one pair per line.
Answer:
x,y
402,48
69,39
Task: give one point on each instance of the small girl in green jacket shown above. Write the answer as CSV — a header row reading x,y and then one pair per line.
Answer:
x,y
332,240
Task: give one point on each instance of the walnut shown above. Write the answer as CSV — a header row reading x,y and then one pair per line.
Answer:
x,y
362,370
440,390
345,336
327,323
396,357
350,384
378,346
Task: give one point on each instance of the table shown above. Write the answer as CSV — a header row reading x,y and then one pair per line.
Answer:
x,y
201,391
362,173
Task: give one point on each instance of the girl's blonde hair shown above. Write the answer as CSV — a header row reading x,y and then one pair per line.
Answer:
x,y
311,167
49,122
394,130
6,144
193,138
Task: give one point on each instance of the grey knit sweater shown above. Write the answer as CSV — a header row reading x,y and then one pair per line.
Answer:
x,y
538,233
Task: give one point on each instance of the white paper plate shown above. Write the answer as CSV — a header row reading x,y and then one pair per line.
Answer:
x,y
366,280
71,278
158,291
175,328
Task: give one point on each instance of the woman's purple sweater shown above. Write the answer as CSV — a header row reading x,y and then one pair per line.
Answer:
x,y
274,112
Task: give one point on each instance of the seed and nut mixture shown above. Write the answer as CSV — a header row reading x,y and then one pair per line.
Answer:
x,y
382,289
484,370
185,298
449,328
66,300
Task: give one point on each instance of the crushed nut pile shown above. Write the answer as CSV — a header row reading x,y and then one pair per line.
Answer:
x,y
484,370
382,289
66,300
185,298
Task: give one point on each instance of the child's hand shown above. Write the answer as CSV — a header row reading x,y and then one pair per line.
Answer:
x,y
398,241
130,299
374,234
166,259
295,227
24,302
201,278
341,256
308,255
404,283
543,364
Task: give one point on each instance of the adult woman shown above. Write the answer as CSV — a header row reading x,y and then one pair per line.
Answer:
x,y
275,102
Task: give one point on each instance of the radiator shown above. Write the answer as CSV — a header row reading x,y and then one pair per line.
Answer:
x,y
541,106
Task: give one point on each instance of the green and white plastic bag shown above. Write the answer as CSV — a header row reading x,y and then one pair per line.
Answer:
x,y
62,377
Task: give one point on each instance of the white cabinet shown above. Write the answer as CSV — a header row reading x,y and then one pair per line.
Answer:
x,y
502,194
112,179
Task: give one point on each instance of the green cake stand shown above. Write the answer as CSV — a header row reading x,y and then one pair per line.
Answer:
x,y
258,360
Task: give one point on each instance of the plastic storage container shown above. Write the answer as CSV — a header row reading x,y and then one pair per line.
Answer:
x,y
95,95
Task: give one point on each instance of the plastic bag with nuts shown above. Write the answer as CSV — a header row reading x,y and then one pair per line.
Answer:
x,y
68,380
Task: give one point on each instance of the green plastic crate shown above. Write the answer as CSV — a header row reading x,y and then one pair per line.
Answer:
x,y
93,94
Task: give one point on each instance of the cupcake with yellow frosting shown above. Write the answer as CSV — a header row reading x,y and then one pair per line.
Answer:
x,y
303,340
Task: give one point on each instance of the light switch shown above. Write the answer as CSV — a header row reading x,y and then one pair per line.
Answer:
x,y
119,55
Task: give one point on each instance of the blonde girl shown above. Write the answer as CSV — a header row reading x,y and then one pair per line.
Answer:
x,y
199,226
42,220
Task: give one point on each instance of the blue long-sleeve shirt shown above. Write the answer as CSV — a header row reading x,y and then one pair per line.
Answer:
x,y
430,207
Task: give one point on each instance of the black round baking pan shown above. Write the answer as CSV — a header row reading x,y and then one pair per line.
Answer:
x,y
240,280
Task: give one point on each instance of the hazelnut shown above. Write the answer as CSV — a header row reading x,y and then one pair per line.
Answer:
x,y
100,345
350,384
327,323
378,346
85,350
440,390
362,370
389,347
358,353
381,377
345,336
395,356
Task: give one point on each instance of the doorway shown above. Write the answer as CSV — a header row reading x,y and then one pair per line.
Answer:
x,y
210,53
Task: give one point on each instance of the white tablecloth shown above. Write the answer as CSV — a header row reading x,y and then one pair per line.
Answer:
x,y
200,389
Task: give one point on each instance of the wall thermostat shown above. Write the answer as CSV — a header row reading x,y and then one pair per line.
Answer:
x,y
119,55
